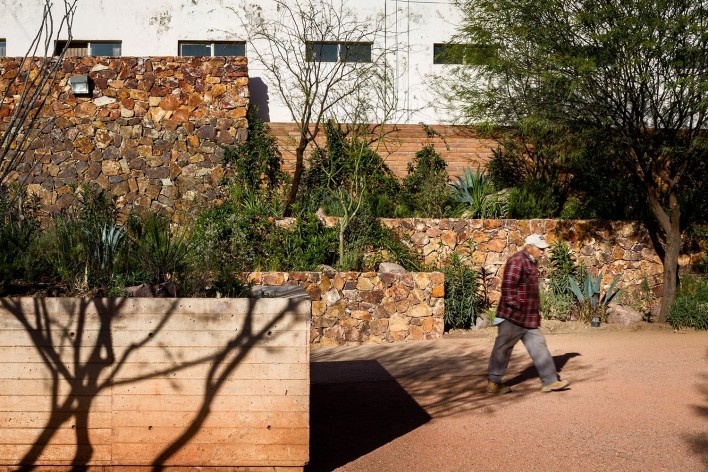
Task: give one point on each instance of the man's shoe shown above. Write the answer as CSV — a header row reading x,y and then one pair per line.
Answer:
x,y
557,385
497,389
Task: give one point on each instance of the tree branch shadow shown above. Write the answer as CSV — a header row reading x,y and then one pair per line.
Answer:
x,y
81,368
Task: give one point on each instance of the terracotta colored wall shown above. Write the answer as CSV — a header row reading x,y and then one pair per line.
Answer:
x,y
403,141
133,376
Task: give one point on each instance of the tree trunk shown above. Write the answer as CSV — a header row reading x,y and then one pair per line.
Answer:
x,y
297,174
669,222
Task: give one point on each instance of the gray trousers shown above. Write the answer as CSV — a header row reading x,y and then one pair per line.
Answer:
x,y
535,343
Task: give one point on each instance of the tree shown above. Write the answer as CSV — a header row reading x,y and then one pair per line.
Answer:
x,y
32,85
316,55
631,74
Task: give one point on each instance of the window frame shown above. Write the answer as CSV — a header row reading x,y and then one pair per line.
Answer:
x,y
59,45
212,47
310,55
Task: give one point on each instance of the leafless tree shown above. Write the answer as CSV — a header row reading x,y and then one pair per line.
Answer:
x,y
316,56
26,92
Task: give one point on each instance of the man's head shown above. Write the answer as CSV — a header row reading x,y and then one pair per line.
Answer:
x,y
535,244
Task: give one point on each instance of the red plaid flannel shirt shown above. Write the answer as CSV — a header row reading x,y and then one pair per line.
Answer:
x,y
519,291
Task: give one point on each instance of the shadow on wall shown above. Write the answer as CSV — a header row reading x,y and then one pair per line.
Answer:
x,y
258,91
88,348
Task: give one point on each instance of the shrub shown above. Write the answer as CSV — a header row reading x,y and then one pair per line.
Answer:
x,y
257,161
366,235
333,168
425,188
465,294
19,227
533,200
690,309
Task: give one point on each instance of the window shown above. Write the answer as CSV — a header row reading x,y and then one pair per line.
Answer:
x,y
3,48
213,48
471,54
333,52
444,54
89,48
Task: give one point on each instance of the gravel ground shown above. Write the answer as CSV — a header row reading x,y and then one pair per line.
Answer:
x,y
638,401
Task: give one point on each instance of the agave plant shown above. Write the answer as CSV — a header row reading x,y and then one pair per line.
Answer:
x,y
475,191
590,297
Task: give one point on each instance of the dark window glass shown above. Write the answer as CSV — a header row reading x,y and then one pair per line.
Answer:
x,y
322,52
229,49
3,48
355,52
105,49
194,49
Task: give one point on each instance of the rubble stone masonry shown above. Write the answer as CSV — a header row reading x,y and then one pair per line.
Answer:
x,y
151,130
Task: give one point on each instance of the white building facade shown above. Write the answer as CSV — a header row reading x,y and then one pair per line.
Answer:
x,y
413,32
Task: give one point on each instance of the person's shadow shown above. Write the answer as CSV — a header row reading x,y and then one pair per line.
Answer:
x,y
530,372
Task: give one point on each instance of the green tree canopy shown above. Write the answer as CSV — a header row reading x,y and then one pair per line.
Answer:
x,y
632,74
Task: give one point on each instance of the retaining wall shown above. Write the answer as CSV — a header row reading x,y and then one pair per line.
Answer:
x,y
139,384
367,307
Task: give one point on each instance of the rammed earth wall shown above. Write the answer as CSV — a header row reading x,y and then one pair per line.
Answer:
x,y
151,131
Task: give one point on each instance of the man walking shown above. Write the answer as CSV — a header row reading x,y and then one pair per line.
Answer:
x,y
518,319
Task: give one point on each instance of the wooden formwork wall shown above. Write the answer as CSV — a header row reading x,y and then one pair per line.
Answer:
x,y
150,383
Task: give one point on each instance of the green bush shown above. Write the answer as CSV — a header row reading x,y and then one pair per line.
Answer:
x,y
426,192
332,168
19,227
465,294
257,162
690,309
533,200
366,235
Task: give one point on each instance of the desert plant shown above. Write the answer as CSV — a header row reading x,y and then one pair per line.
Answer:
x,y
591,301
164,254
562,266
465,293
426,185
690,310
475,191
556,306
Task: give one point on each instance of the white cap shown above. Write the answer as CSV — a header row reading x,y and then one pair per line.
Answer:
x,y
536,240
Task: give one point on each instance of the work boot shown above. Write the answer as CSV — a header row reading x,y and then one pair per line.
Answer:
x,y
557,385
497,388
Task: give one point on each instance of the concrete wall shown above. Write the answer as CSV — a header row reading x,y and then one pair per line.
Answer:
x,y
149,382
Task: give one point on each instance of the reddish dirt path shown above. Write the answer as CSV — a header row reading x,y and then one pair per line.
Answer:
x,y
638,402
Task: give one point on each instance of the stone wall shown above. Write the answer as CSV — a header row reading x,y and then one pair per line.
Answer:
x,y
151,131
369,307
614,247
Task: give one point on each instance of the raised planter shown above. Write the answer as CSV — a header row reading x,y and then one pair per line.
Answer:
x,y
152,383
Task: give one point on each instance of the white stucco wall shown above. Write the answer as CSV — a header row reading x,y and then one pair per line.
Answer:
x,y
154,29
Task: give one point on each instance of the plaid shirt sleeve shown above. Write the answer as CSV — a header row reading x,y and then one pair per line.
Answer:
x,y
519,301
